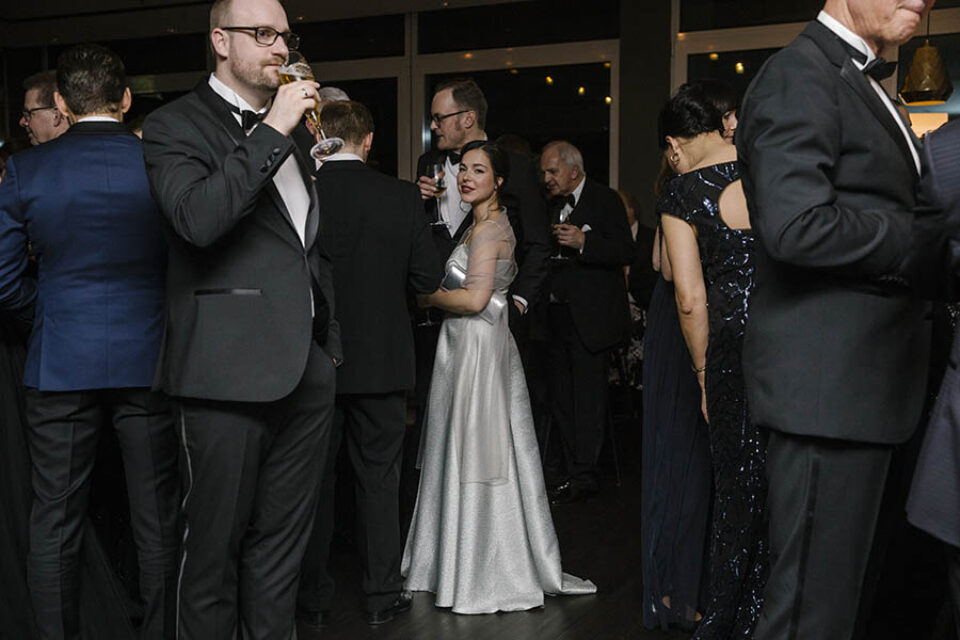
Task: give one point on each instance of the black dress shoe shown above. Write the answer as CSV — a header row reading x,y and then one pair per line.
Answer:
x,y
313,619
569,493
401,604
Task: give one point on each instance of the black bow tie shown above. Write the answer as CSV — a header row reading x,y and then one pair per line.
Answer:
x,y
453,157
879,69
247,118
571,200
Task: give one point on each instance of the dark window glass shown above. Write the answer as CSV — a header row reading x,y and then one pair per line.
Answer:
x,y
949,47
376,37
380,96
698,15
524,103
736,68
165,54
518,24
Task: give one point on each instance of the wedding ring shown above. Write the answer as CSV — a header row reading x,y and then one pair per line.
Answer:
x,y
304,91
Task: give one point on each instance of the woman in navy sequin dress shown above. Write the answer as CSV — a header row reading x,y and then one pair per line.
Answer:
x,y
710,246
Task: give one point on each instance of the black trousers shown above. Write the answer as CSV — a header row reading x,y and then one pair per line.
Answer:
x,y
251,477
63,428
580,397
374,428
823,502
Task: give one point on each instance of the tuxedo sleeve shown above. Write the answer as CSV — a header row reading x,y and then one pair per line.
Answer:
x,y
789,141
204,198
534,222
17,291
424,269
609,242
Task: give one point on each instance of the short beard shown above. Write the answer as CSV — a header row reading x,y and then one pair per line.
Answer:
x,y
256,77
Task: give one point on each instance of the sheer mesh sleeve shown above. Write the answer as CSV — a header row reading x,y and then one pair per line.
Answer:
x,y
490,241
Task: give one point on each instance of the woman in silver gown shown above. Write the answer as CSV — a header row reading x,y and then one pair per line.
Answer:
x,y
482,537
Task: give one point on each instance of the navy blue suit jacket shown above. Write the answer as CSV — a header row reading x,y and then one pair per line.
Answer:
x,y
84,204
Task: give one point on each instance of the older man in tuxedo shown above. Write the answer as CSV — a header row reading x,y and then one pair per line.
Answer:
x,y
251,340
83,202
835,353
380,245
588,313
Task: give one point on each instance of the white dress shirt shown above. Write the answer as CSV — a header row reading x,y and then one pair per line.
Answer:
x,y
861,45
287,179
342,156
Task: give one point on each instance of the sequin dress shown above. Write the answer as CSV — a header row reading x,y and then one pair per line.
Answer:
x,y
738,548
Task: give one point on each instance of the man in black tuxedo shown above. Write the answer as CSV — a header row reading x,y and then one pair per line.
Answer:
x,y
40,117
379,243
458,116
251,340
588,314
835,352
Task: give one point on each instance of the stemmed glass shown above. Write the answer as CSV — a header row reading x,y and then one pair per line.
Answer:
x,y
295,69
435,171
562,219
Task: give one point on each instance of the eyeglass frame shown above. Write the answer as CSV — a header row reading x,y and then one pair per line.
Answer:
x,y
286,35
27,114
438,118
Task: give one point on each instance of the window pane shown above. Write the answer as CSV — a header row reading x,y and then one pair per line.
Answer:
x,y
376,37
166,54
518,24
736,68
698,15
380,96
522,102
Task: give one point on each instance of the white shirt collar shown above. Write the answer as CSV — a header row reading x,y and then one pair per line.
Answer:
x,y
98,119
579,188
342,156
232,96
847,36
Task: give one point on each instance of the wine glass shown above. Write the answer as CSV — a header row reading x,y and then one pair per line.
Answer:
x,y
435,171
295,69
562,219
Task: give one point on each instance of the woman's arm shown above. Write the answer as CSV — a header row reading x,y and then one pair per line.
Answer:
x,y
486,242
462,301
691,292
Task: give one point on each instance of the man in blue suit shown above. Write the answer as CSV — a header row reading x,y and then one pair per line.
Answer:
x,y
84,204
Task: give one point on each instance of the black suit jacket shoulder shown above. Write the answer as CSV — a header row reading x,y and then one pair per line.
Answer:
x,y
831,188
380,245
244,295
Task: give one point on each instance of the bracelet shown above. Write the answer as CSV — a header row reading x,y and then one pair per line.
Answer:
x,y
700,370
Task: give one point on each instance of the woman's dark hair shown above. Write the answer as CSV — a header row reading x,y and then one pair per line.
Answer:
x,y
720,94
499,160
687,114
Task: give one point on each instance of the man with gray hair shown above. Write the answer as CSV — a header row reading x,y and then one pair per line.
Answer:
x,y
587,315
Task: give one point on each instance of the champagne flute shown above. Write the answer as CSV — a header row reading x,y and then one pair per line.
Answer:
x,y
562,219
435,171
295,69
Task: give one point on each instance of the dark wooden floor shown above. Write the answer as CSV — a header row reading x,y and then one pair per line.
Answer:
x,y
599,540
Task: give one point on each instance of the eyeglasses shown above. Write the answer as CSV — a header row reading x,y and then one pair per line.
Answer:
x,y
27,114
438,117
266,36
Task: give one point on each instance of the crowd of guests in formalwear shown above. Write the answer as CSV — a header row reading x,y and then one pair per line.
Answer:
x,y
238,310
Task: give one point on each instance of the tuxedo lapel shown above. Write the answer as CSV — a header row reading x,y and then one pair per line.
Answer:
x,y
861,85
467,221
837,53
235,133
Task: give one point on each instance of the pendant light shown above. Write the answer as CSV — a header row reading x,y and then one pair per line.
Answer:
x,y
927,81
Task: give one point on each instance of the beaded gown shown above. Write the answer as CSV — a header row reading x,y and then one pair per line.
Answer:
x,y
482,537
738,547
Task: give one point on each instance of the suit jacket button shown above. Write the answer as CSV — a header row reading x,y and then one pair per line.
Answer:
x,y
276,150
268,163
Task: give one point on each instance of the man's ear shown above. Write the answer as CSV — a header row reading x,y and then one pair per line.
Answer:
x,y
220,42
62,107
126,100
469,119
368,142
